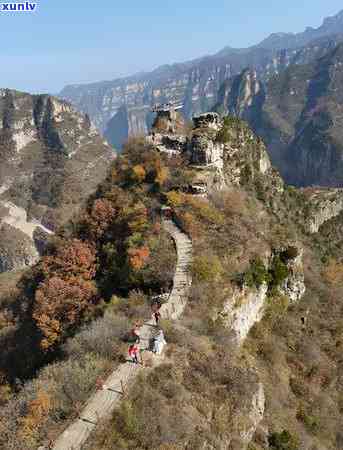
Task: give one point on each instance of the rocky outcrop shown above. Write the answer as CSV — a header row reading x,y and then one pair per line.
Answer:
x,y
17,218
243,310
205,151
221,153
123,107
168,143
209,120
17,250
21,240
323,205
247,304
293,286
250,421
242,96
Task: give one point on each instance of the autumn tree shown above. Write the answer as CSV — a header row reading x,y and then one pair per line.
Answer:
x,y
67,291
59,305
71,259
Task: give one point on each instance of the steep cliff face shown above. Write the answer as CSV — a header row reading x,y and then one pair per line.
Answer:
x,y
123,107
51,159
242,96
284,277
324,205
315,155
297,113
50,155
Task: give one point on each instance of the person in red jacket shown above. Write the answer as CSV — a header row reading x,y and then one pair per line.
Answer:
x,y
133,353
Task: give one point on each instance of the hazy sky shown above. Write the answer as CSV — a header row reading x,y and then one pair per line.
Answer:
x,y
77,41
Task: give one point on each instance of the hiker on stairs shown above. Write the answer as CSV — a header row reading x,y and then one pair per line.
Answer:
x,y
159,343
155,311
133,353
135,333
157,316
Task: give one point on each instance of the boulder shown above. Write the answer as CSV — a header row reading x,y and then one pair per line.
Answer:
x,y
207,120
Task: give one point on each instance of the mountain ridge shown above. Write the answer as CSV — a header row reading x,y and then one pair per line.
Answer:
x,y
193,84
337,19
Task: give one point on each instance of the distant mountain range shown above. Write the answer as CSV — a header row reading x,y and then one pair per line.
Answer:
x,y
122,107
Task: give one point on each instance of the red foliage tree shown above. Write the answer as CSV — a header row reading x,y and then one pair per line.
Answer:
x,y
72,259
59,305
99,218
67,292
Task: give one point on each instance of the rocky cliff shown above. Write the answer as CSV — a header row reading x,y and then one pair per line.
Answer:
x,y
248,303
297,113
51,159
324,205
222,153
248,244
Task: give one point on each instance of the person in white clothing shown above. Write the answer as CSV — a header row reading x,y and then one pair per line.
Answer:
x,y
159,343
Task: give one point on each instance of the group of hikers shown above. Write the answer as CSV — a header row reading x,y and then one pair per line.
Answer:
x,y
158,340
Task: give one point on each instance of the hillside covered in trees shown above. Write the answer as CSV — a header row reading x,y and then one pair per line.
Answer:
x,y
67,315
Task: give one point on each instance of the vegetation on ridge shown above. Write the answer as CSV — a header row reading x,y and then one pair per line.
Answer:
x,y
202,393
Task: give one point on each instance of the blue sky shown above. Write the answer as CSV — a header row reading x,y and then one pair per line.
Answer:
x,y
78,41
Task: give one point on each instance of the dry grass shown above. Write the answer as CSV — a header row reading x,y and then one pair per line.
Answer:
x,y
67,384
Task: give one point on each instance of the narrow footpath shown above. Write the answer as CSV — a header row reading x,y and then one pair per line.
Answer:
x,y
101,405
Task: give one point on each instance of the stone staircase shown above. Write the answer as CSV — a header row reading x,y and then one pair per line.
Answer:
x,y
103,402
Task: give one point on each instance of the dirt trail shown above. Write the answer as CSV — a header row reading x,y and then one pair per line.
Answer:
x,y
103,402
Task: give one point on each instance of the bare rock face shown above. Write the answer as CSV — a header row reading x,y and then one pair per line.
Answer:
x,y
205,151
168,121
17,250
247,407
254,416
243,310
242,96
293,287
168,143
51,159
324,204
